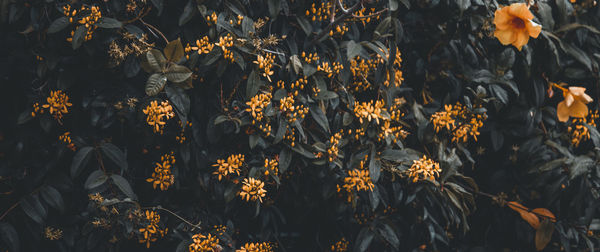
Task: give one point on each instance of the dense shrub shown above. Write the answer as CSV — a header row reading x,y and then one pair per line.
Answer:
x,y
297,125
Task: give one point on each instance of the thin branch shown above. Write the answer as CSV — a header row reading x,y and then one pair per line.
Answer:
x,y
372,14
8,210
274,52
155,29
194,226
142,14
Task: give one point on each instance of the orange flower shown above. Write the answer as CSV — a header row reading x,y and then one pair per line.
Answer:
x,y
574,104
514,25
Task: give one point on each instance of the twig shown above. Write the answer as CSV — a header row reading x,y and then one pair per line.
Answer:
x,y
372,14
155,29
176,215
143,14
274,52
8,210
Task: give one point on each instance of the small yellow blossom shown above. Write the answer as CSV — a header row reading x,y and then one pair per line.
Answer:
x,y
423,169
265,63
151,231
204,243
162,175
231,166
256,247
57,104
252,189
158,114
340,246
368,111
66,139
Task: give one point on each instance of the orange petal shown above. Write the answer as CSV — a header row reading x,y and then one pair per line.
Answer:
x,y
533,29
578,109
502,18
545,212
505,37
531,218
562,112
522,39
520,10
569,99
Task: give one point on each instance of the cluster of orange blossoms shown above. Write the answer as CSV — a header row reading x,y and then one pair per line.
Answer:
x,y
574,103
459,121
225,43
230,166
340,246
293,112
320,13
265,63
252,190
514,25
66,139
211,19
358,179
151,232
162,175
204,243
202,46
57,104
256,247
423,169
368,111
333,150
89,20
271,167
326,68
398,79
158,114
257,104
579,132
361,69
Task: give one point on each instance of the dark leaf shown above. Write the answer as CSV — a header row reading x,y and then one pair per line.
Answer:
x,y
9,236
180,100
114,154
123,185
79,36
174,51
188,12
320,117
95,179
106,22
253,84
352,49
80,160
53,198
32,206
177,73
58,24
156,82
153,61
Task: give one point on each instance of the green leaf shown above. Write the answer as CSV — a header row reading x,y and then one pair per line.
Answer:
x,y
174,51
319,116
374,166
463,4
9,236
58,24
248,25
156,82
80,160
53,198
352,49
95,179
305,25
296,63
274,7
363,240
123,186
253,84
389,235
180,100
285,159
32,206
109,23
308,70
188,12
153,61
114,154
178,73
79,36
393,5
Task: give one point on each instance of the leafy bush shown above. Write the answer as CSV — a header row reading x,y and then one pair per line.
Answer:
x,y
296,125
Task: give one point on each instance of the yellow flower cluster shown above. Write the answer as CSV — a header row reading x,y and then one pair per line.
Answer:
x,y
89,20
424,168
340,246
202,46
204,243
181,137
320,13
151,232
310,57
211,19
579,132
326,68
162,175
368,14
298,85
256,247
360,69
57,104
397,132
238,21
66,139
461,122
271,167
257,104
338,30
358,180
265,63
398,79
292,111
253,189
225,43
53,234
232,165
158,114
290,136
368,111
333,150
37,109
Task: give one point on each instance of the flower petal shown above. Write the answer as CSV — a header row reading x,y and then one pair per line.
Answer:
x,y
505,37
533,29
562,112
578,109
569,99
520,10
521,40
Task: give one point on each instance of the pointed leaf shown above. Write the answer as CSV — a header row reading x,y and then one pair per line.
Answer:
x,y
114,154
32,206
178,73
58,24
80,160
531,218
95,179
153,61
9,236
109,23
174,51
53,198
543,234
79,36
123,185
156,82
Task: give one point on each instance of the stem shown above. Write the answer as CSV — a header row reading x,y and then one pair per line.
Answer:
x,y
8,210
155,29
194,226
